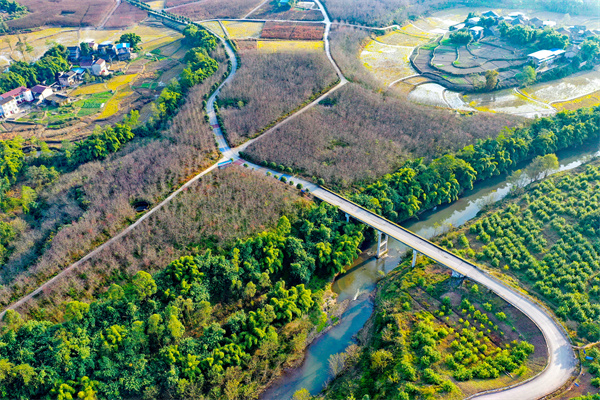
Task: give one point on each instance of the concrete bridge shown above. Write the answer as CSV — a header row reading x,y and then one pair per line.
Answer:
x,y
561,361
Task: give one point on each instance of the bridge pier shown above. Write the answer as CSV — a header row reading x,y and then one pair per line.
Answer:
x,y
347,218
382,243
414,260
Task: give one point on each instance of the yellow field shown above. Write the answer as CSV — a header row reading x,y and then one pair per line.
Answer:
x,y
273,46
214,26
114,84
387,63
398,38
112,106
591,100
43,39
243,30
412,30
157,5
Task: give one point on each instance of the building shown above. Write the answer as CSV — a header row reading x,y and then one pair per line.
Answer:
x,y
67,78
457,27
476,32
74,53
564,31
86,64
123,51
99,67
519,21
545,57
20,94
491,14
91,44
79,72
8,106
473,21
58,100
106,48
536,22
572,51
41,92
549,24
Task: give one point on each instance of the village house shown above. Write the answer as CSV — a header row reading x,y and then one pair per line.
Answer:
x,y
66,79
476,32
74,53
536,22
491,14
41,92
545,57
20,94
457,27
473,21
99,67
123,51
58,100
8,106
107,48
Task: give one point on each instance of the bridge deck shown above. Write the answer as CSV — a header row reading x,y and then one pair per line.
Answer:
x,y
561,361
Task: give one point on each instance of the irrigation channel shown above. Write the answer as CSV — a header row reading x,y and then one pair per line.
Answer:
x,y
361,278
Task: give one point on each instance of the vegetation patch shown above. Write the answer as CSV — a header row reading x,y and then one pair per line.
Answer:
x,y
274,46
243,30
387,62
292,31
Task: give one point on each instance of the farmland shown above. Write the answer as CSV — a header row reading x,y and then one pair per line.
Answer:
x,y
270,11
209,9
357,135
271,83
242,30
292,31
125,16
546,239
75,13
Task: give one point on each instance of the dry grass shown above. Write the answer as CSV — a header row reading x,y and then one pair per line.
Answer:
x,y
292,31
365,135
591,100
388,63
215,27
243,30
276,46
270,84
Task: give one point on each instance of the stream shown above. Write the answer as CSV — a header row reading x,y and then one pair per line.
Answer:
x,y
361,278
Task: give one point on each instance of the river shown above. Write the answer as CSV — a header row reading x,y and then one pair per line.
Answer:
x,y
361,278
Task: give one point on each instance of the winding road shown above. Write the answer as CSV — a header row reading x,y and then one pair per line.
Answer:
x,y
561,363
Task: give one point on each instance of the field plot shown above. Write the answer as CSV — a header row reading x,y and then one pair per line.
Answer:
x,y
208,9
292,31
125,16
397,38
429,94
510,102
215,27
571,87
270,11
274,46
358,135
388,63
156,4
590,100
114,84
243,30
62,13
268,85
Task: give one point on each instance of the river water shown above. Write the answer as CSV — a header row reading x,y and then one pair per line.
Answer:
x,y
362,277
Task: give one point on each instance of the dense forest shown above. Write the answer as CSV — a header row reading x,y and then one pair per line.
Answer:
x,y
210,326
41,71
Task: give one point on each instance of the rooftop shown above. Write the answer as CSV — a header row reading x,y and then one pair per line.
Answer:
x,y
6,100
14,92
39,89
544,54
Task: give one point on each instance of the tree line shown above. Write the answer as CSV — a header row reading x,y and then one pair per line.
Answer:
x,y
200,327
418,186
42,71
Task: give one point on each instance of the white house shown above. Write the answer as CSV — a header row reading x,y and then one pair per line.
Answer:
x,y
545,56
41,92
99,67
8,106
476,32
20,94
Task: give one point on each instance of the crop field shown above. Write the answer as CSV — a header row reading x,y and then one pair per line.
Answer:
x,y
112,106
270,11
118,82
243,30
209,9
78,13
397,38
548,240
590,100
215,27
125,16
275,46
510,102
387,62
571,87
429,94
292,31
156,5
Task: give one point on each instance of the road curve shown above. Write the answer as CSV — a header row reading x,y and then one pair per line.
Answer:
x,y
561,361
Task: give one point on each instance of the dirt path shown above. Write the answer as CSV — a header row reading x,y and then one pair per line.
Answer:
x,y
112,11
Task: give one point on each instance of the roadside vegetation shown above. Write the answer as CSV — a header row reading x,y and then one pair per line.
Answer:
x,y
216,325
267,87
58,206
433,336
355,136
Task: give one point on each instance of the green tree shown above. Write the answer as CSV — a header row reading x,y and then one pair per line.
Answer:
x,y
132,38
144,285
491,79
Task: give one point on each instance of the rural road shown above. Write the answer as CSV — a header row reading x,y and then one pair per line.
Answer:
x,y
561,362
